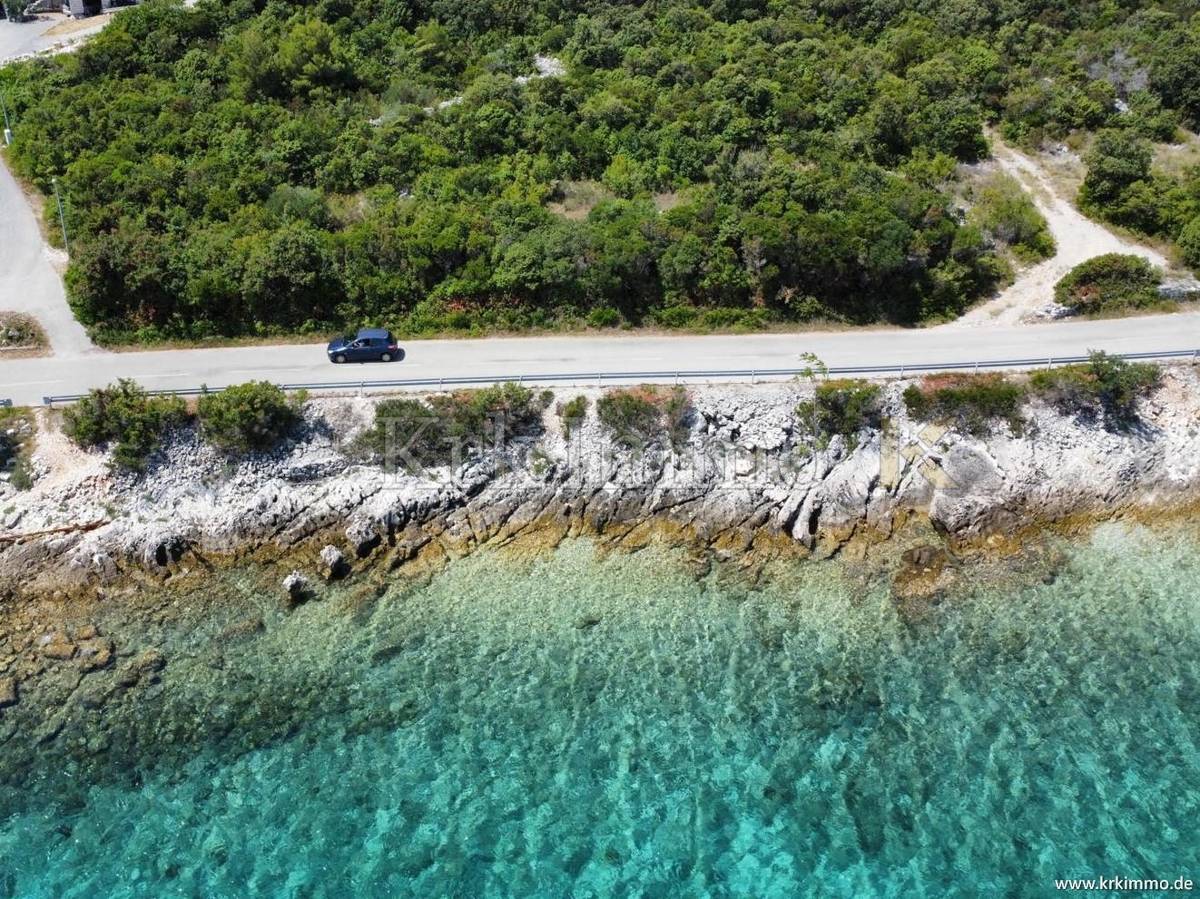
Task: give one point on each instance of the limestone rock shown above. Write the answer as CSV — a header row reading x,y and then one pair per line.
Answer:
x,y
295,584
364,537
8,692
333,563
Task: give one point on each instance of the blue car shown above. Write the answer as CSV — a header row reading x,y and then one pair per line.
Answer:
x,y
368,345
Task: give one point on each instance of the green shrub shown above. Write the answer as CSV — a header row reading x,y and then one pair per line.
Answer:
x,y
21,477
676,316
247,417
971,403
1189,243
1004,210
16,448
640,416
126,417
1109,283
604,317
1106,384
572,413
842,407
446,428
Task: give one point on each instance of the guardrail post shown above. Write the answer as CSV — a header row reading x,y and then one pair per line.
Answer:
x,y
976,368
1049,362
360,389
1193,357
599,379
753,376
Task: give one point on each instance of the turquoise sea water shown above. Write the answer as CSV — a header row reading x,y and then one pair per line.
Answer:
x,y
619,727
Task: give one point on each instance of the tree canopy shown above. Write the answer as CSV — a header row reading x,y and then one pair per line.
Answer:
x,y
254,167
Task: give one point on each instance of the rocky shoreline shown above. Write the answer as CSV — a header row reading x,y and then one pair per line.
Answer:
x,y
744,481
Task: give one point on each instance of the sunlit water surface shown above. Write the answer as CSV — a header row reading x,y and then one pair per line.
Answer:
x,y
615,727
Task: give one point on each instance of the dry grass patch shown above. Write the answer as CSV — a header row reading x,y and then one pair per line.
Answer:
x,y
573,200
1173,160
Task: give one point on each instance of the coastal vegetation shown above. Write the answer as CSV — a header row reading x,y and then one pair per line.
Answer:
x,y
638,417
842,406
256,167
1114,282
250,417
971,403
126,418
1106,386
18,437
572,412
243,418
446,429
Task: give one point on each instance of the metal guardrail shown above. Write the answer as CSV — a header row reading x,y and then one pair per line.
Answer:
x,y
599,378
5,403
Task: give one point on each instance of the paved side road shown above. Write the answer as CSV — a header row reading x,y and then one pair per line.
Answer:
x,y
27,381
28,282
41,34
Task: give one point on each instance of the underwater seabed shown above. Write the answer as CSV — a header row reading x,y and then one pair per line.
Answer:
x,y
612,725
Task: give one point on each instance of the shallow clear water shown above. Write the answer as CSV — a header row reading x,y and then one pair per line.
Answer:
x,y
586,727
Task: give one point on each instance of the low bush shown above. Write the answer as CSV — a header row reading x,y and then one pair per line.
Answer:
x,y
971,403
127,418
17,439
843,407
247,417
572,413
1106,385
1113,282
640,416
445,429
1004,211
604,317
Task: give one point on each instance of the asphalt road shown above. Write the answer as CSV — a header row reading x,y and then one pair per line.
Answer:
x,y
26,381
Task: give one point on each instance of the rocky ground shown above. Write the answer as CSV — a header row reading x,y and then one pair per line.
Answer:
x,y
746,477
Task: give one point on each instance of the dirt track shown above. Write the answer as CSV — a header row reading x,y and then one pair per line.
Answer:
x,y
1077,238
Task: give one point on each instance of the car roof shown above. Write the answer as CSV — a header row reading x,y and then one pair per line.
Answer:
x,y
374,332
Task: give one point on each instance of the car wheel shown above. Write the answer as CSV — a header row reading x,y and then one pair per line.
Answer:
x,y
339,358
386,357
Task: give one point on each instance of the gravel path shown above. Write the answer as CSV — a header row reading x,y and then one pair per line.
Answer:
x,y
1078,239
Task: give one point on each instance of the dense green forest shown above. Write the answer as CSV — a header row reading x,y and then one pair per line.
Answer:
x,y
246,167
